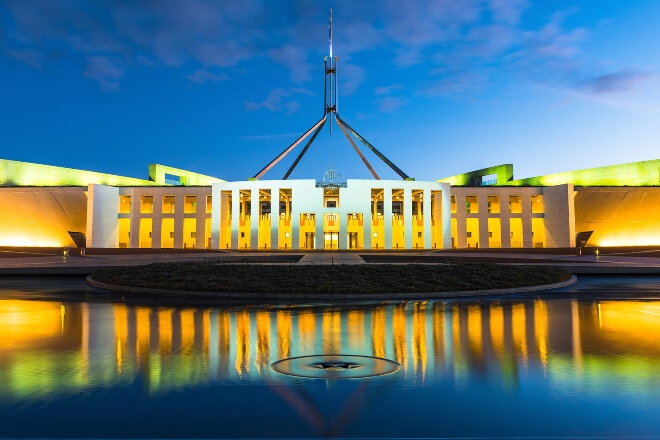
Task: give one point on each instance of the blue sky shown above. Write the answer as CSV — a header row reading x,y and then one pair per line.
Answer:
x,y
222,87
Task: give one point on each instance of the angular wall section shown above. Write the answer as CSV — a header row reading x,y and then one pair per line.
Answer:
x,y
619,216
41,217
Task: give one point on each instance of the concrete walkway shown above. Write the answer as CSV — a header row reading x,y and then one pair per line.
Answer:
x,y
43,263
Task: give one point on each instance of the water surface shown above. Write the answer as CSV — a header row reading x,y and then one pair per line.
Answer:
x,y
519,367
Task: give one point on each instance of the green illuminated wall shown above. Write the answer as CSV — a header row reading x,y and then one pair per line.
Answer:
x,y
15,173
157,174
646,173
474,178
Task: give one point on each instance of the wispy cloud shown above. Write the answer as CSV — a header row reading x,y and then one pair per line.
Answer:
x,y
386,90
389,104
203,76
276,101
615,82
105,71
457,43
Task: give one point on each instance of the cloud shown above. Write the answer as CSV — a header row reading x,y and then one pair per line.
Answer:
x,y
458,44
203,76
275,102
349,79
389,104
386,90
28,56
615,82
295,58
105,71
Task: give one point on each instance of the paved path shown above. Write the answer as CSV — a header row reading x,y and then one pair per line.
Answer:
x,y
43,263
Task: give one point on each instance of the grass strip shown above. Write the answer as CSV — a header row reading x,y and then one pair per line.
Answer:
x,y
331,279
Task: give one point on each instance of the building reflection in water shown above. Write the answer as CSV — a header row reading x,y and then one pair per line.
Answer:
x,y
49,347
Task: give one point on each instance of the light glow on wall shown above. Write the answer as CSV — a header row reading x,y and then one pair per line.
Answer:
x,y
11,240
653,240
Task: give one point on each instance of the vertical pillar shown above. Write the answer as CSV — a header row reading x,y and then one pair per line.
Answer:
x,y
446,216
135,220
216,216
274,217
483,215
426,213
461,229
387,216
526,201
407,217
235,216
367,219
295,221
254,218
320,220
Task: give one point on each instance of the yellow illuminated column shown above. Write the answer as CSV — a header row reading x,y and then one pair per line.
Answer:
x,y
541,331
306,332
331,331
419,343
283,334
399,335
378,331
262,356
242,365
355,330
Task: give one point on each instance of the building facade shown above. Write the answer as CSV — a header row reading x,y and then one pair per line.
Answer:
x,y
180,211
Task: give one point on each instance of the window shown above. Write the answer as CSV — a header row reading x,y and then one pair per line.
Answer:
x,y
331,204
168,204
493,204
146,204
515,204
124,204
537,204
471,205
190,204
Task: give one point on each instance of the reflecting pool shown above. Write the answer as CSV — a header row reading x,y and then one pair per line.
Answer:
x,y
520,367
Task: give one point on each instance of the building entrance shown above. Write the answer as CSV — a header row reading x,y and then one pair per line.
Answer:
x,y
331,240
310,240
352,240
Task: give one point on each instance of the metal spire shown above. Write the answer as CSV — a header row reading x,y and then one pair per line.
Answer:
x,y
330,112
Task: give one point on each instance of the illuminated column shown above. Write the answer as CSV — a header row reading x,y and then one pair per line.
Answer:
x,y
235,216
179,202
461,230
135,220
387,216
217,205
274,217
505,222
254,217
426,212
527,219
407,218
483,219
446,216
102,216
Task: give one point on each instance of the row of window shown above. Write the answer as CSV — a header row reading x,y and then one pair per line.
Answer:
x,y
168,204
494,206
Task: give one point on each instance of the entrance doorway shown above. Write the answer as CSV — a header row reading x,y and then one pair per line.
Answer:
x,y
352,240
331,240
310,240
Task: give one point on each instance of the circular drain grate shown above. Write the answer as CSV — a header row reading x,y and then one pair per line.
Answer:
x,y
335,366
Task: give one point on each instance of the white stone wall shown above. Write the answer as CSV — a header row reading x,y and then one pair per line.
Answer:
x,y
102,224
307,199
